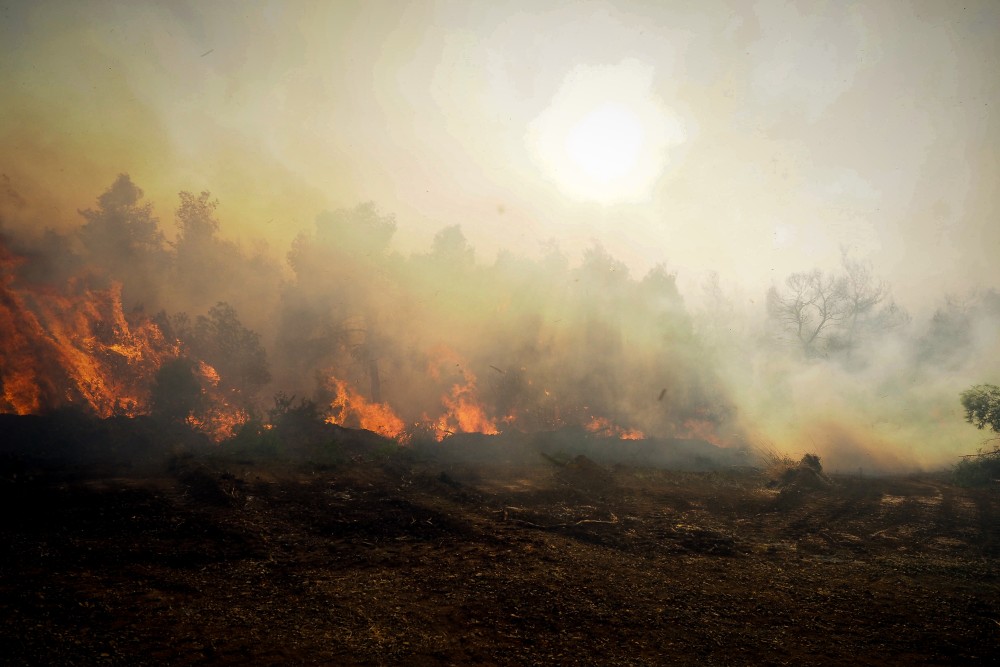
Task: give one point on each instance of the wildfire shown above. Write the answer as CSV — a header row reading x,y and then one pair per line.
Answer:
x,y
605,428
350,408
218,419
74,346
703,430
463,412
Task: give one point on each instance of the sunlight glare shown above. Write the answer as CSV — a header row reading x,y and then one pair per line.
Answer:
x,y
606,143
605,136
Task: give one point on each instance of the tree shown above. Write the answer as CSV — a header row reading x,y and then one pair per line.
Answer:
x,y
834,313
982,406
451,249
123,237
862,293
196,218
234,351
961,332
811,308
345,285
122,226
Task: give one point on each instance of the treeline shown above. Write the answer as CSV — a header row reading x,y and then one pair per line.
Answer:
x,y
540,343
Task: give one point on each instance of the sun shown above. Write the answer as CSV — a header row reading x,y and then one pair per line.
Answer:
x,y
606,143
605,137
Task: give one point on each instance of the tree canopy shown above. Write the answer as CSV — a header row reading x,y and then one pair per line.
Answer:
x,y
982,406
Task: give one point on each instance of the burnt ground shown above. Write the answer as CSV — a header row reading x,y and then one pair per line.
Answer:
x,y
403,558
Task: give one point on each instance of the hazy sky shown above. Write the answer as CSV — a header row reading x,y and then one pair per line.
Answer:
x,y
749,138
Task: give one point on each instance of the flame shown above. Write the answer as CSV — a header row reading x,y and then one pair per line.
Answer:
x,y
350,408
605,428
702,429
463,412
74,346
219,420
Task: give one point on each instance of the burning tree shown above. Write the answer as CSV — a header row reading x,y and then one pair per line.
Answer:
x,y
340,293
434,341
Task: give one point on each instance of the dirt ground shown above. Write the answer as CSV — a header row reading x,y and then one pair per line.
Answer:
x,y
402,558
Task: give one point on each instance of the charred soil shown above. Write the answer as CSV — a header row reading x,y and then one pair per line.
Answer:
x,y
407,558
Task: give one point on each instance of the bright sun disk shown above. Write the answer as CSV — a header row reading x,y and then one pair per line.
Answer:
x,y
605,136
606,143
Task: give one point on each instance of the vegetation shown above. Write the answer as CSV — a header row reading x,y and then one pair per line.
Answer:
x,y
979,469
833,313
176,392
982,408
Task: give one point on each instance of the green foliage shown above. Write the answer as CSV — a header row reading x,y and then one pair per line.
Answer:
x,y
287,411
982,469
234,350
300,429
295,430
196,218
982,406
122,226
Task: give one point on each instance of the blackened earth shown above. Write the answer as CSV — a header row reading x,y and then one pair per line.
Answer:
x,y
406,556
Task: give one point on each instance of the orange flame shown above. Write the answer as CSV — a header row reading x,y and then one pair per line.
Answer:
x,y
463,412
350,408
219,420
74,346
703,430
605,428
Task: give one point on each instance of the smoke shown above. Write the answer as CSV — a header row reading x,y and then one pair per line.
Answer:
x,y
885,399
442,342
449,343
542,343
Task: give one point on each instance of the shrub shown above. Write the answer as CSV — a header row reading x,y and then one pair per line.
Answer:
x,y
980,469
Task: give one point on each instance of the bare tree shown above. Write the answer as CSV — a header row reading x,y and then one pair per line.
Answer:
x,y
863,293
812,307
833,313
